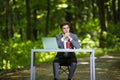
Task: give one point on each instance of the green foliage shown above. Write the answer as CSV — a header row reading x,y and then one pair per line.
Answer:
x,y
15,53
45,57
113,35
91,26
88,42
89,34
114,29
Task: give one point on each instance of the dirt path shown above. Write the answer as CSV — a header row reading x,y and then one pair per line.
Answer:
x,y
107,68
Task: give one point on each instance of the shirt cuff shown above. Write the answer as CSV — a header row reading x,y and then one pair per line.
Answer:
x,y
62,39
70,39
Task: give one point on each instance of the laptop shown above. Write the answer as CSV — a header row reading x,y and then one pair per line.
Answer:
x,y
49,43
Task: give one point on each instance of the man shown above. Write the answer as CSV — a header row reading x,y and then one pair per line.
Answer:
x,y
66,57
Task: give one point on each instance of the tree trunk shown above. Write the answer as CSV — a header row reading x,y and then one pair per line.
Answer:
x,y
34,25
17,19
47,18
118,11
77,12
6,21
108,14
9,21
114,11
102,22
94,9
28,18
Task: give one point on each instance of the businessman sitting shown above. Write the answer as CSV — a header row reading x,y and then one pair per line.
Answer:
x,y
66,40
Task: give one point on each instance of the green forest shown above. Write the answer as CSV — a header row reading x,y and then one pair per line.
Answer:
x,y
24,22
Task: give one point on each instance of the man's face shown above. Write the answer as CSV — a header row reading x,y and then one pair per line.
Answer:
x,y
65,29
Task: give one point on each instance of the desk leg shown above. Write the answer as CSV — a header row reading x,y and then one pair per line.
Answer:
x,y
32,72
92,66
93,60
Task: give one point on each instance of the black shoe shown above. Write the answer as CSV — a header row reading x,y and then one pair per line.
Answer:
x,y
68,79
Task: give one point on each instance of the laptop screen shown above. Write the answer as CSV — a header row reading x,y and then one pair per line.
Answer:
x,y
49,43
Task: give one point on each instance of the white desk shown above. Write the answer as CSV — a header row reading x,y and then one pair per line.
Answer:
x,y
92,59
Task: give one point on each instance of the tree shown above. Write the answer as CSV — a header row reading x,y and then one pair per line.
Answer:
x,y
102,22
47,18
28,19
9,20
114,11
34,29
118,11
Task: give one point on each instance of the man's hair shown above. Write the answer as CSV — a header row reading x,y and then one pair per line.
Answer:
x,y
65,23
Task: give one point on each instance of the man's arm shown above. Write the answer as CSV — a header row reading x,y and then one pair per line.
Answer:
x,y
74,41
59,41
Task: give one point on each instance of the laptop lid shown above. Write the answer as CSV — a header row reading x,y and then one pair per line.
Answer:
x,y
49,43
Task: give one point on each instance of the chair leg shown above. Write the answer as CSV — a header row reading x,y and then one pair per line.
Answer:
x,y
64,69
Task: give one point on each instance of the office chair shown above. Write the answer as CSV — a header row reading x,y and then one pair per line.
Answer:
x,y
64,68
